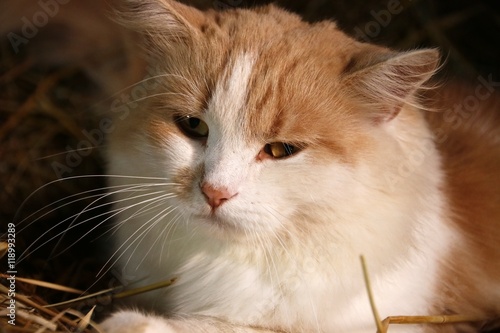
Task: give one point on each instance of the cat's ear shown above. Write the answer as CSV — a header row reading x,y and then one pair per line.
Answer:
x,y
384,82
160,23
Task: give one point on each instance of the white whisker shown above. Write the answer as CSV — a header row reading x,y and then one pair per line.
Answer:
x,y
74,225
171,230
121,223
159,94
91,207
75,178
116,212
158,218
136,188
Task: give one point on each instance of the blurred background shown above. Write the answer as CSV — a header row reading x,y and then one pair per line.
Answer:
x,y
48,107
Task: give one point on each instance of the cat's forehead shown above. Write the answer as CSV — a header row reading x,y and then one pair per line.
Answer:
x,y
264,76
283,73
276,35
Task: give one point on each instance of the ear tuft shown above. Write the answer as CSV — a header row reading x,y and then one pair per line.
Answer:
x,y
385,82
159,23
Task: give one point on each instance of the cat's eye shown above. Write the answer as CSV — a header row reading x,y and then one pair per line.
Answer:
x,y
192,127
280,149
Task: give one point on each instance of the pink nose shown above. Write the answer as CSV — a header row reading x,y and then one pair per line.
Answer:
x,y
216,196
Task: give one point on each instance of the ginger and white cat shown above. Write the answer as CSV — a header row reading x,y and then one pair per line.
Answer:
x,y
277,152
273,153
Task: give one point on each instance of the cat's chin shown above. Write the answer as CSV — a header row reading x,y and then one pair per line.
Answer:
x,y
221,224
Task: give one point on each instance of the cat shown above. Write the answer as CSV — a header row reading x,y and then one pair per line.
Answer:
x,y
277,152
272,153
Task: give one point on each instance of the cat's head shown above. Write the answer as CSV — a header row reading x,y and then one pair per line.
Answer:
x,y
263,120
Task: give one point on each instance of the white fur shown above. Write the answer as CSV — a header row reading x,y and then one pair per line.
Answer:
x,y
224,166
290,256
134,322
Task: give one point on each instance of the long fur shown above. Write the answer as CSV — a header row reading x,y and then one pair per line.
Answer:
x,y
282,253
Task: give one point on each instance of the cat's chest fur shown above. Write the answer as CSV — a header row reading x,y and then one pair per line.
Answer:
x,y
269,159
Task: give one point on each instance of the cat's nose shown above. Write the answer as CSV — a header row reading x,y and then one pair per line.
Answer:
x,y
216,196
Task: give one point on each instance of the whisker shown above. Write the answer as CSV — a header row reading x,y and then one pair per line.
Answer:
x,y
159,94
158,218
116,212
102,189
102,271
146,208
67,151
172,226
79,177
270,263
274,213
110,262
129,87
91,207
85,210
191,84
74,217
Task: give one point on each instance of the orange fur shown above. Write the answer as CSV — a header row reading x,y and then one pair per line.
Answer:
x,y
293,59
323,71
468,139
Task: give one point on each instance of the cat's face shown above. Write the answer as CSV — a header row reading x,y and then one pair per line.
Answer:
x,y
257,123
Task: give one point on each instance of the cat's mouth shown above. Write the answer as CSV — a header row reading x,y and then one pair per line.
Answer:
x,y
215,219
219,228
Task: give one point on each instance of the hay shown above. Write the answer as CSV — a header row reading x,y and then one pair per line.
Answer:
x,y
383,325
31,315
34,315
